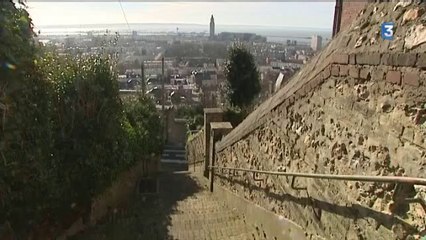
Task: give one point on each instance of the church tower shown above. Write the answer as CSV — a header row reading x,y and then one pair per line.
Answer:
x,y
212,27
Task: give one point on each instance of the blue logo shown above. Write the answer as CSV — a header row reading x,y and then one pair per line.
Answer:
x,y
387,30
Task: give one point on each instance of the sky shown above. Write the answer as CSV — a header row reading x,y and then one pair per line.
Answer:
x,y
289,14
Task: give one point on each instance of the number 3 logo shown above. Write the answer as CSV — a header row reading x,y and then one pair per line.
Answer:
x,y
387,30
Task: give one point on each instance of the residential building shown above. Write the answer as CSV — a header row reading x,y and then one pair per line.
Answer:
x,y
316,43
244,37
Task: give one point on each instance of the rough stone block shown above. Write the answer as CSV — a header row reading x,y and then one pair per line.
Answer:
x,y
347,102
327,92
300,93
399,59
311,85
408,134
364,73
360,107
344,70
352,59
319,80
393,142
316,81
341,58
368,58
406,59
354,71
420,139
306,88
423,78
378,74
393,77
396,128
411,78
326,73
286,103
386,59
335,70
421,60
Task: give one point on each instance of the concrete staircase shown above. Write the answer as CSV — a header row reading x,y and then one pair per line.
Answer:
x,y
173,158
183,209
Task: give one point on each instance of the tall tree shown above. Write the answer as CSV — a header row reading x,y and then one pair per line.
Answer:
x,y
242,76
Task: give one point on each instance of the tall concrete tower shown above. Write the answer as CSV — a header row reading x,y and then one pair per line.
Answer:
x,y
212,27
316,43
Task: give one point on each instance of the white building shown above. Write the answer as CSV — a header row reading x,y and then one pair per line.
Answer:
x,y
316,42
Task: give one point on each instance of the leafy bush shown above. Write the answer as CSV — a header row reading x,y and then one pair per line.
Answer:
x,y
24,122
64,132
142,122
86,126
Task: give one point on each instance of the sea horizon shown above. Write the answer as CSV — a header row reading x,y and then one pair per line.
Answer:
x,y
272,33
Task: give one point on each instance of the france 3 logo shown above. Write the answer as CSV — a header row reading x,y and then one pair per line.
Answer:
x,y
387,30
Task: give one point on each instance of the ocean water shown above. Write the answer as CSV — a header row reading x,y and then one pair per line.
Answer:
x,y
273,33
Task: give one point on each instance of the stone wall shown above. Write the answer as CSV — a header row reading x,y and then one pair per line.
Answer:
x,y
347,126
359,107
176,129
195,148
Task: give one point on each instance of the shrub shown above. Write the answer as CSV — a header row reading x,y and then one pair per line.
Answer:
x,y
86,126
64,132
25,137
142,120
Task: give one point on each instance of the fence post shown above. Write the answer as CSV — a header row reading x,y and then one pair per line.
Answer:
x,y
210,115
195,160
217,130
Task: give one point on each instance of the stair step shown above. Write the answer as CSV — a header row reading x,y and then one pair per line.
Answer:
x,y
174,147
184,209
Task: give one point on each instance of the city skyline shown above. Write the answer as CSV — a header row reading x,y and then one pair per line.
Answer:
x,y
273,14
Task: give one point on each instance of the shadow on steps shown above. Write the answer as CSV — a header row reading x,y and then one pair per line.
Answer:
x,y
146,216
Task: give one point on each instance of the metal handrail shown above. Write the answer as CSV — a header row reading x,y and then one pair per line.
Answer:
x,y
386,179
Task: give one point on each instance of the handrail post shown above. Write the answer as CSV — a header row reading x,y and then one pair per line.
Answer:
x,y
212,158
195,160
218,129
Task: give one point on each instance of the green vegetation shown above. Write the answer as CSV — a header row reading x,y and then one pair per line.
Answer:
x,y
236,115
194,116
142,124
64,132
239,92
242,77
